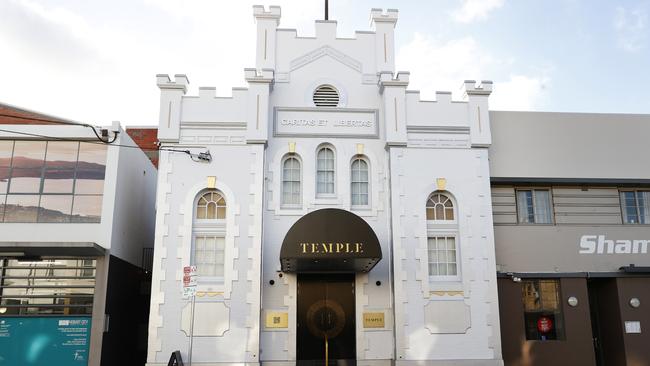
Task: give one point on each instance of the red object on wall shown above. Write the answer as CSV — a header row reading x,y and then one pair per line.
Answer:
x,y
544,324
147,139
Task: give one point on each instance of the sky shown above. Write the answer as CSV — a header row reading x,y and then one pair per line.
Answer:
x,y
96,61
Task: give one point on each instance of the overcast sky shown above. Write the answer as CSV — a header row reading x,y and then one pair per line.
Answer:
x,y
96,62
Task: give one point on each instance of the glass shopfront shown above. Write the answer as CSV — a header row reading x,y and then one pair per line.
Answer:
x,y
47,287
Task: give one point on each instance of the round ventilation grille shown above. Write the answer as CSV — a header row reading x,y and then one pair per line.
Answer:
x,y
326,96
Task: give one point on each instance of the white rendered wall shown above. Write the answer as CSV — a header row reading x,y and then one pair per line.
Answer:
x,y
417,143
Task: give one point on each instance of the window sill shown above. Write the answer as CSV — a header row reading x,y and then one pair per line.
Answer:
x,y
361,208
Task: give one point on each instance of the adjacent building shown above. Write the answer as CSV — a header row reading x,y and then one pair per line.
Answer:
x,y
571,208
76,220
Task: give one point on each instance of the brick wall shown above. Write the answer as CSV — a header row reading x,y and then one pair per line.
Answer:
x,y
147,139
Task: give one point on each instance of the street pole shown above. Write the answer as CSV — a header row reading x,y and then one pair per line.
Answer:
x,y
189,353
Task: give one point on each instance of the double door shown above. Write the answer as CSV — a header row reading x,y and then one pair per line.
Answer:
x,y
326,320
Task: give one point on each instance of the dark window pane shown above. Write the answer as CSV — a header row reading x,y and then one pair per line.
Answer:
x,y
25,180
62,153
29,154
21,208
58,180
87,209
55,208
89,182
542,310
6,149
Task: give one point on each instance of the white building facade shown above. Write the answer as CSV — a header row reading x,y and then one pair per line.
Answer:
x,y
324,147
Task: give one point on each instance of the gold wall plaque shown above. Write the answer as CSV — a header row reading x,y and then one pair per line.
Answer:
x,y
441,183
275,319
373,320
212,182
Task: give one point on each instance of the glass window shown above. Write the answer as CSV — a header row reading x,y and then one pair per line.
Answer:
x,y
359,182
442,256
6,151
25,180
2,206
46,287
440,207
58,180
211,206
291,182
325,171
542,309
209,255
62,172
534,206
29,154
55,208
21,208
636,207
5,173
87,209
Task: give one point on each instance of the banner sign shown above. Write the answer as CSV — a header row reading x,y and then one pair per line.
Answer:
x,y
44,341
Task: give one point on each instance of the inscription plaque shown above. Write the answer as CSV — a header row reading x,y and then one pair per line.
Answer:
x,y
337,122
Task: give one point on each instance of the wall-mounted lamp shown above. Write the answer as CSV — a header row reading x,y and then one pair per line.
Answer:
x,y
635,302
573,301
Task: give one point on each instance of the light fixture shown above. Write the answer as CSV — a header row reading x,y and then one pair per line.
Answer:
x,y
573,301
635,302
3,310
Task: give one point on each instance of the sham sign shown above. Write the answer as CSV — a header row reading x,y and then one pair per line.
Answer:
x,y
599,244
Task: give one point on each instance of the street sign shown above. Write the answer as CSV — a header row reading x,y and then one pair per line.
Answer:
x,y
189,282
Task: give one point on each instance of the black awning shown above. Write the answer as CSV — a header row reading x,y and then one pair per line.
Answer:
x,y
330,240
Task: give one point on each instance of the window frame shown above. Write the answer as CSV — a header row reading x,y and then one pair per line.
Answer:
x,y
367,205
446,235
333,194
550,202
560,333
209,227
446,229
284,204
453,221
636,205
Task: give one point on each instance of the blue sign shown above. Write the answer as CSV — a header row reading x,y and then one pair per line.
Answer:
x,y
44,341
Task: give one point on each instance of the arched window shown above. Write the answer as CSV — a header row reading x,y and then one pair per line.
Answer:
x,y
291,181
325,171
209,235
439,207
211,206
442,238
359,182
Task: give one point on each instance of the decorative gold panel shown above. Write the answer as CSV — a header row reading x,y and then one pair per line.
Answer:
x,y
373,320
275,319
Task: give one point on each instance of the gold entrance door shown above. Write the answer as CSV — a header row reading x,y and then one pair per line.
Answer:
x,y
326,322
